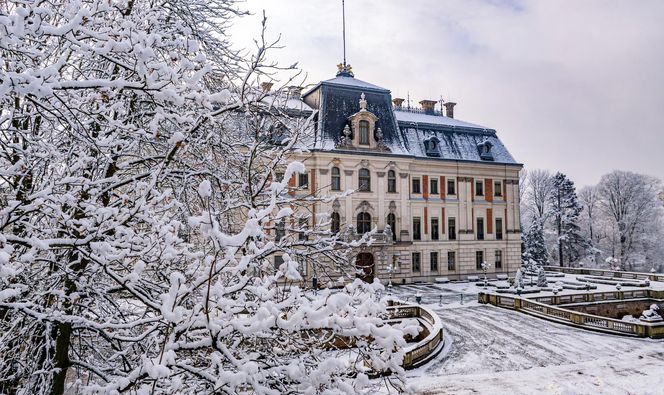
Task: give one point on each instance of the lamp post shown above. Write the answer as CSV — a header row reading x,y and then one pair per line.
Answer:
x,y
485,267
390,269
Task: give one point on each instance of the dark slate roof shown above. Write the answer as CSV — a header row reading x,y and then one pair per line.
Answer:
x,y
340,98
405,131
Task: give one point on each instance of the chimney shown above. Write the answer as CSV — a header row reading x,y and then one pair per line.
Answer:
x,y
449,109
294,91
397,101
266,86
428,106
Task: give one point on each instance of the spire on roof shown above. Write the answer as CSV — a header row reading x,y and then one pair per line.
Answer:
x,y
345,70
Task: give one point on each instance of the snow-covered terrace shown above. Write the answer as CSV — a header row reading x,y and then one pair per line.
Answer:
x,y
490,350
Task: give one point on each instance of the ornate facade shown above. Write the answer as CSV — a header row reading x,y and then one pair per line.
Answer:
x,y
442,194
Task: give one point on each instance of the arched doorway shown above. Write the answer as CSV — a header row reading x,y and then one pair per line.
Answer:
x,y
364,263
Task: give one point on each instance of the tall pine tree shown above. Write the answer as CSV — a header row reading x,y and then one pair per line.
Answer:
x,y
565,210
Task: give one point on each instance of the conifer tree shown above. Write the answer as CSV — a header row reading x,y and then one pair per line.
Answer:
x,y
535,247
565,210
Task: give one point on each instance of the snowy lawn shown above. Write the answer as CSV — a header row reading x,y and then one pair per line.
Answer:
x,y
499,351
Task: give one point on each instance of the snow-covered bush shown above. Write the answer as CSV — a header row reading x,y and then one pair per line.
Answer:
x,y
518,280
541,278
137,248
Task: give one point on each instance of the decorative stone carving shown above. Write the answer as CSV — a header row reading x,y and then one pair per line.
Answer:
x,y
336,205
363,102
364,163
346,140
348,172
392,206
380,174
324,171
364,206
403,175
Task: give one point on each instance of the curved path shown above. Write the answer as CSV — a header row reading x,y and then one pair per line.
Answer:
x,y
495,351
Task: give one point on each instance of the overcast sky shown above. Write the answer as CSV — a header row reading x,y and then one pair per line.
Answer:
x,y
575,86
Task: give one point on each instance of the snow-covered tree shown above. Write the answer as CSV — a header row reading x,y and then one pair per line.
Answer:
x,y
535,246
518,279
633,210
565,210
541,278
137,253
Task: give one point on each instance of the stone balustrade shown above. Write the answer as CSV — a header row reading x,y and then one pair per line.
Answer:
x,y
536,306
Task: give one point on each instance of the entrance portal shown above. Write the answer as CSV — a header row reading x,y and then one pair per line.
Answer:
x,y
364,263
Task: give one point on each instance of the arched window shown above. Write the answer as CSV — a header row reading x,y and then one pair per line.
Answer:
x,y
336,223
363,223
392,221
336,179
391,181
364,178
364,132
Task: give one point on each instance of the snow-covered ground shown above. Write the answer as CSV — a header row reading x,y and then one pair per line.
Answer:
x,y
491,350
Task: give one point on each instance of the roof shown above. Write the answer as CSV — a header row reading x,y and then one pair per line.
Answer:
x,y
406,132
354,82
415,117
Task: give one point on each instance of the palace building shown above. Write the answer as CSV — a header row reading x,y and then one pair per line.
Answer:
x,y
441,194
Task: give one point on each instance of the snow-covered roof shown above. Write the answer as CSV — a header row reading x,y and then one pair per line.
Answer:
x,y
405,131
408,116
354,82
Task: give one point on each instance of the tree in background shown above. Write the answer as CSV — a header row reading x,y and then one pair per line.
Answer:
x,y
535,247
564,209
630,203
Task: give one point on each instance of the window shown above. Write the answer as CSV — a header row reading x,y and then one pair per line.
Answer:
x,y
336,179
336,223
302,232
434,186
364,132
497,189
278,261
499,228
416,261
479,188
480,228
434,228
280,231
392,221
451,261
417,235
451,228
479,258
416,185
364,178
499,259
363,223
303,180
391,181
450,187
433,261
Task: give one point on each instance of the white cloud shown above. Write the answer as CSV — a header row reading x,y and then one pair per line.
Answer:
x,y
576,86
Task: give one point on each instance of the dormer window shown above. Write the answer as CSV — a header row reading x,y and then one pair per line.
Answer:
x,y
484,149
364,132
431,146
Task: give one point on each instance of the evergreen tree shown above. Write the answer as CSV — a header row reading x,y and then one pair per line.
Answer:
x,y
565,210
535,247
541,278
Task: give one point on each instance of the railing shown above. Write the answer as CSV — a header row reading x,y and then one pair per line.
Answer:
x,y
418,110
421,352
599,296
589,321
378,238
607,273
